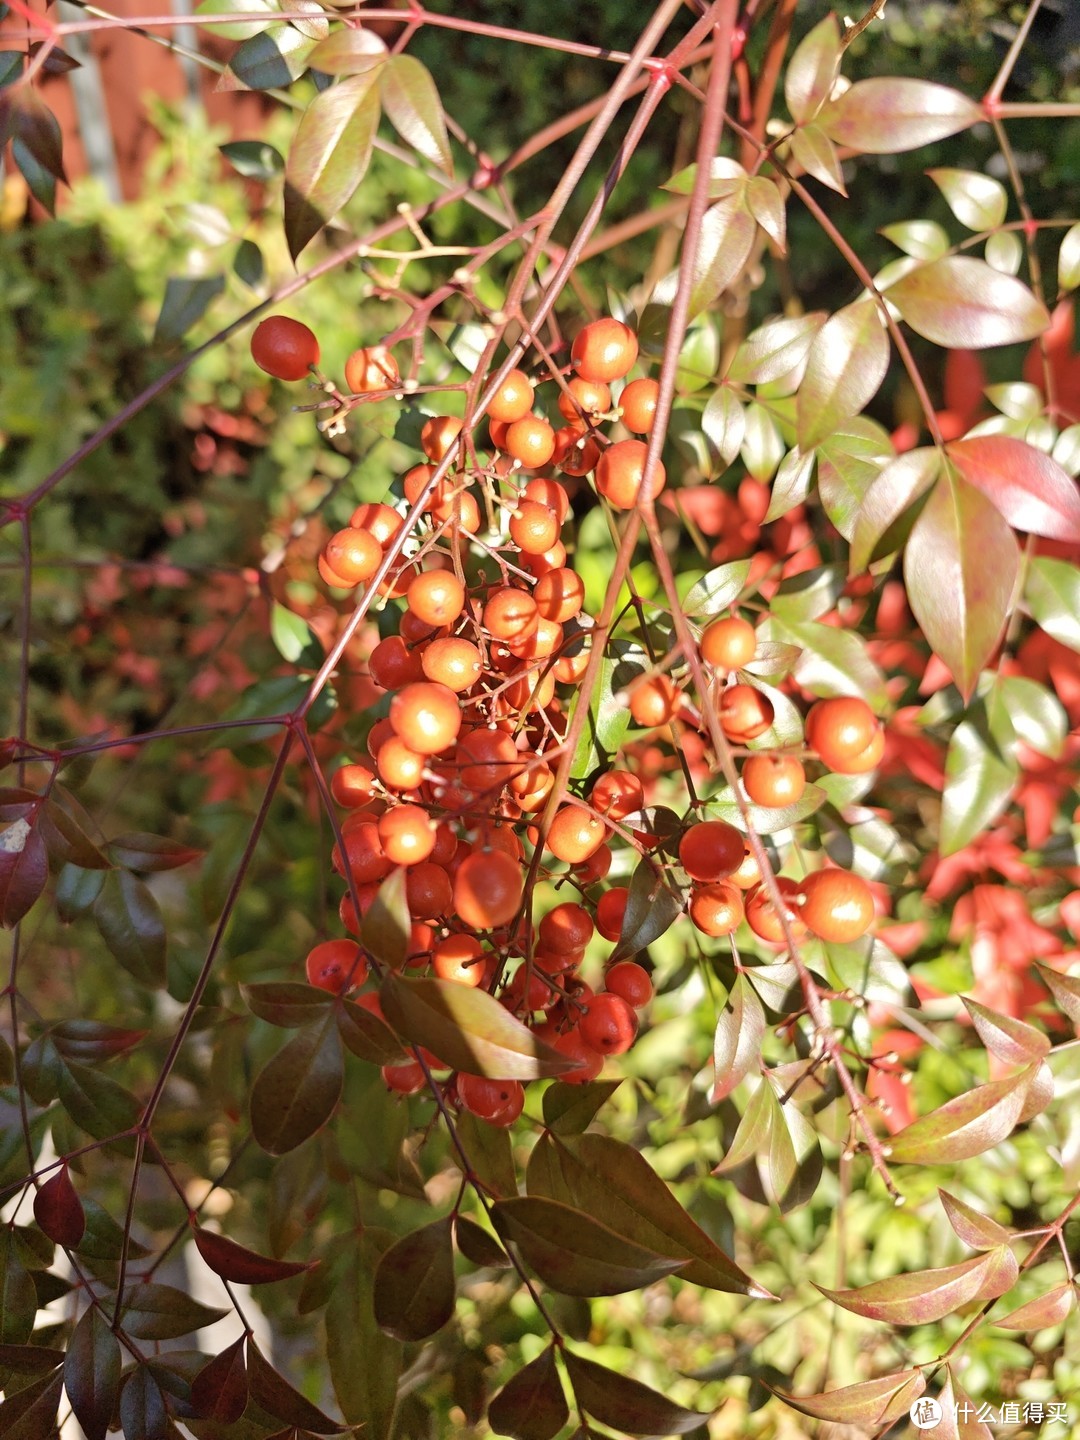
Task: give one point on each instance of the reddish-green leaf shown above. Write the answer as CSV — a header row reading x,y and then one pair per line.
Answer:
x,y
966,1126
130,922
775,349
846,365
751,1138
922,1296
1064,988
414,1292
888,114
960,566
295,1093
652,907
478,1246
142,1406
575,1254
624,1403
287,1003
812,70
150,853
1053,1308
160,1312
66,840
246,1267
92,1373
870,1404
387,922
220,1390
270,60
348,52
531,1406
93,1039
366,1035
490,1153
880,527
329,156
36,128
737,1041
58,1210
30,1413
76,891
467,1029
791,485
29,1359
1012,1041
849,462
767,207
973,1228
979,779
1030,489
96,1102
280,1399
724,245
964,304
1053,593
568,1109
24,870
364,1361
812,149
617,1186
413,107
977,200
833,661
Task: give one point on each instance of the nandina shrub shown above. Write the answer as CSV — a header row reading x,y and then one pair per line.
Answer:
x,y
712,897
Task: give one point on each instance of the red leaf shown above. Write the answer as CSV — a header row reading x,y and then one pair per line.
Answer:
x,y
220,1390
246,1267
887,114
58,1210
973,1122
1030,489
1045,1310
24,870
972,1227
92,1373
867,1404
922,1296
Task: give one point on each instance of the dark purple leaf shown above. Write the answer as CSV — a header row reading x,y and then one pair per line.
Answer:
x,y
414,1291
220,1390
92,1373
143,1415
295,1093
478,1246
277,1397
93,1039
30,1413
244,1267
58,1210
624,1403
652,907
146,853
24,870
531,1406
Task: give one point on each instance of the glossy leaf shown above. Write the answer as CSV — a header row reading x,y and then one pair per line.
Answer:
x,y
490,1153
791,484
329,156
235,1263
349,52
813,151
219,1391
287,1003
254,159
387,923
1069,259
58,1209
809,593
467,1029
846,365
30,1359
240,29
93,1039
964,304
977,200
965,1126
531,1405
575,1254
1053,1308
160,1312
737,1041
478,1246
960,566
104,1237
834,661
414,1291
624,1403
92,1368
867,1404
364,1361
652,907
973,1228
775,349
880,527
568,1109
849,463
413,107
366,1036
76,891
723,421
1052,590
96,1102
1027,487
607,721
129,918
277,1397
24,870
922,1296
18,1297
767,207
151,853
66,840
295,1093
766,819
273,59
616,1185
724,245
1013,1041
979,781
888,114
714,592
1064,988
812,70
186,301
921,239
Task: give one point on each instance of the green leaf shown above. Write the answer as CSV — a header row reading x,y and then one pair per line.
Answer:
x,y
923,1296
775,349
812,70
364,1361
964,304
809,594
725,177
414,1291
92,1373
1069,259
763,446
723,422
574,1254
160,1312
724,245
387,923
737,1040
888,114
467,1029
490,1154
286,1002
254,159
921,239
103,1238
979,780
888,508
478,1246
366,1036
329,156
766,820
129,919
869,1405
607,721
96,1103
18,1297
870,969
652,907
271,60
717,590
76,891
1027,487
812,149
960,567
569,1109
241,30
295,1093
1052,591
767,207
616,1185
413,107
849,463
1037,715
186,301
846,365
791,485
968,1125
977,200
624,1403
833,661
531,1405
292,635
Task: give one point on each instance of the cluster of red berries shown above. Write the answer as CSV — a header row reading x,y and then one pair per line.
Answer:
x,y
491,635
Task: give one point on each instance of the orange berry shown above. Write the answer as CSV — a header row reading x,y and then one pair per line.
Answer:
x,y
438,435
575,834
559,595
566,928
773,780
329,575
654,701
837,905
631,982
575,453
595,867
604,350
530,441
586,400
513,400
499,1102
488,759
487,889
638,405
510,614
380,520
844,731
426,716
352,785
284,348
745,713
609,1025
399,766
762,917
546,491
428,891
617,793
392,664
728,644
610,909
534,528
620,472
716,909
460,958
371,368
337,966
364,857
353,554
407,833
452,661
436,596
711,850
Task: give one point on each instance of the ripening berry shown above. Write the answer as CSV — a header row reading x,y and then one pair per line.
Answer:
x,y
837,905
716,909
407,833
575,834
436,597
763,919
609,1025
372,368
488,760
534,528
631,982
487,889
654,701
438,435
378,519
745,713
337,966
392,664
728,644
426,716
595,867
428,891
352,785
638,405
364,857
460,958
354,555
604,350
559,595
584,400
566,928
530,441
620,472
846,734
406,1079
452,661
284,348
617,793
773,780
513,400
569,1043
610,909
576,452
499,1102
546,491
399,766
510,613
711,850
